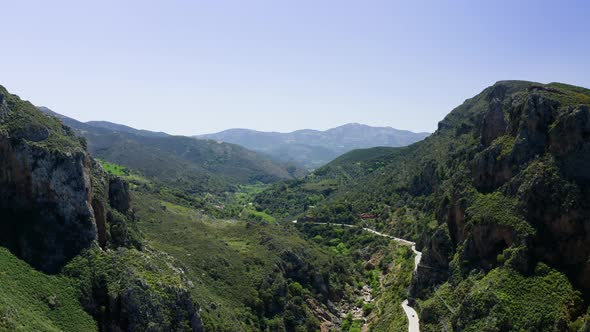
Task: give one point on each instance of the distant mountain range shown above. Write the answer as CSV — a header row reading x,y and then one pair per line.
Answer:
x,y
314,148
192,164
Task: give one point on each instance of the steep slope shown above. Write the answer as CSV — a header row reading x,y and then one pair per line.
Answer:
x,y
195,165
33,301
62,214
50,183
314,148
498,199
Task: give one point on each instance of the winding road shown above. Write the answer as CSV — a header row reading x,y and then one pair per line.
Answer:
x,y
414,321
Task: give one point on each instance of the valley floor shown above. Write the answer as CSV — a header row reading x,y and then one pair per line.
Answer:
x,y
412,315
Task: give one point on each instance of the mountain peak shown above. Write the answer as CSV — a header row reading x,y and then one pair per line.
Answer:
x,y
314,148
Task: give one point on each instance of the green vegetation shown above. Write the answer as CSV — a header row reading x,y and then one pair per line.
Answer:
x,y
506,144
24,121
245,275
499,203
397,267
504,300
569,95
197,166
498,209
114,169
150,288
33,301
253,215
350,325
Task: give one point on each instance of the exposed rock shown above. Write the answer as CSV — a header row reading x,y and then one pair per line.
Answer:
x,y
119,195
120,298
535,151
3,107
57,203
569,139
54,198
570,131
532,118
491,168
485,242
45,203
559,211
494,124
433,268
328,321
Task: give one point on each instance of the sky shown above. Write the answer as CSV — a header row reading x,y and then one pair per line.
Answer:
x,y
195,67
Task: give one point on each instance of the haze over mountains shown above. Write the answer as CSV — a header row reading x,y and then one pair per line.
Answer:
x,y
194,165
305,148
314,148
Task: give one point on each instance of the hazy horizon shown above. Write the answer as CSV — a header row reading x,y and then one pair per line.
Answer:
x,y
199,67
266,131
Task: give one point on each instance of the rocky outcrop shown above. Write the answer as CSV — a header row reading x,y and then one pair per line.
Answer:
x,y
559,210
569,140
135,291
494,124
58,208
434,265
485,242
534,148
119,195
493,167
45,205
3,107
530,120
54,198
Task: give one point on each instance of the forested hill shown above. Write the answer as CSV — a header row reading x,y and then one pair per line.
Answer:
x,y
314,148
184,162
498,198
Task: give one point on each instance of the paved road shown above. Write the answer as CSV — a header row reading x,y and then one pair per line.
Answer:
x,y
413,319
414,325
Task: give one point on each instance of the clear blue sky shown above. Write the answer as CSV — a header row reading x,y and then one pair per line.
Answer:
x,y
191,67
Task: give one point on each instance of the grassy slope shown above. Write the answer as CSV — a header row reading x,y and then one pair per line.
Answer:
x,y
229,262
33,301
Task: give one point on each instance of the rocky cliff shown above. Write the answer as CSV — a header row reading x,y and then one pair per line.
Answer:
x,y
54,198
58,208
518,198
527,181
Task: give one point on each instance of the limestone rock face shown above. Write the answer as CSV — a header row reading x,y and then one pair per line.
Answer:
x,y
433,268
56,202
45,205
532,146
3,108
119,195
494,124
53,195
